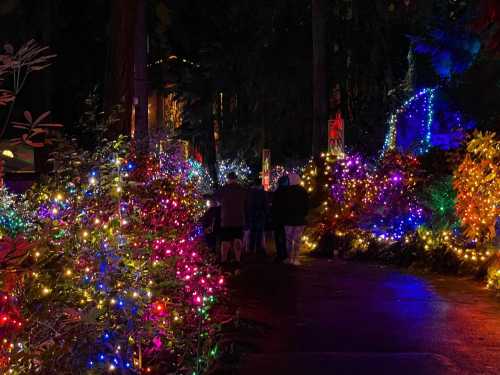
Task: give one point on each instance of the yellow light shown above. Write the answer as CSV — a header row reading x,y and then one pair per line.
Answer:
x,y
8,154
68,273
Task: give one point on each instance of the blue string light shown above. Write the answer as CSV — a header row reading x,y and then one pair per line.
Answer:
x,y
408,108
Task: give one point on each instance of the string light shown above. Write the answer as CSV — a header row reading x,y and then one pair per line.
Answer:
x,y
477,182
365,205
118,271
421,105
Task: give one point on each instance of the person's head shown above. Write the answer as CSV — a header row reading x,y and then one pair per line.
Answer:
x,y
294,179
283,181
232,178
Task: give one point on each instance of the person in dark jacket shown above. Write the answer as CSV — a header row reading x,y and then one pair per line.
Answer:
x,y
232,199
278,209
294,217
256,217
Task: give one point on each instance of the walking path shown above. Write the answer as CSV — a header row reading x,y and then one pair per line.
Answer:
x,y
336,317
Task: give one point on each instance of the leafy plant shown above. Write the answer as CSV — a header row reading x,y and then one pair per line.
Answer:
x,y
31,57
439,199
477,181
37,132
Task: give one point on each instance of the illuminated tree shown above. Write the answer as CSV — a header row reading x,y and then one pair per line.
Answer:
x,y
438,197
396,209
115,276
477,182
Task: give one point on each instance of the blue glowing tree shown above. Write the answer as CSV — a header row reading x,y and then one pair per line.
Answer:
x,y
396,210
423,121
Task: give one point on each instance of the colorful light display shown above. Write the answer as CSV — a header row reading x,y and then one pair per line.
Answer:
x,y
396,209
410,125
117,279
379,199
438,197
14,215
494,275
477,182
240,167
423,121
279,170
365,205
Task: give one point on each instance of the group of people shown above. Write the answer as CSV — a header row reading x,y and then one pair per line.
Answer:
x,y
240,216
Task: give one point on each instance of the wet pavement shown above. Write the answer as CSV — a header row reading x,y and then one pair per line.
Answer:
x,y
338,317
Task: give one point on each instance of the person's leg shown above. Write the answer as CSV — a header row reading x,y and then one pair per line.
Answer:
x,y
253,240
289,241
224,251
237,246
280,241
297,236
246,240
293,242
259,240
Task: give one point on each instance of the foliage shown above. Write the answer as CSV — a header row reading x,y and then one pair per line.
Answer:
x,y
494,274
229,76
15,215
477,182
114,275
438,197
363,200
238,166
36,132
451,49
396,210
18,66
279,171
200,177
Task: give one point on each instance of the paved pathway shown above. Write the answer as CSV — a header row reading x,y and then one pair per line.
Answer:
x,y
336,317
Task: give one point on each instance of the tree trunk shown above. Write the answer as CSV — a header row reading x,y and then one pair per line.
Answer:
x,y
120,63
320,93
141,131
